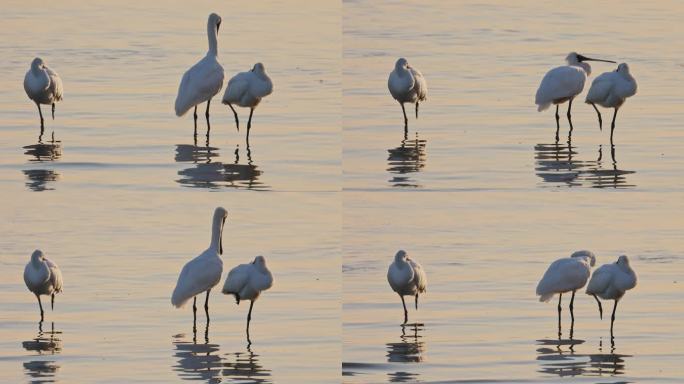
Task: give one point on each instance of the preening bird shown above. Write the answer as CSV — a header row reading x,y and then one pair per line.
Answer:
x,y
565,275
563,83
246,89
203,80
407,278
43,86
203,272
610,90
407,85
247,281
43,277
611,282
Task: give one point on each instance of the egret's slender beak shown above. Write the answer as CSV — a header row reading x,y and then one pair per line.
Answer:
x,y
221,237
218,25
584,58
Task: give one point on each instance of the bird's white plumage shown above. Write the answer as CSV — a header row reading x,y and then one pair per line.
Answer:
x,y
406,84
566,274
611,281
42,84
611,89
204,271
42,276
204,79
559,85
406,276
246,89
247,281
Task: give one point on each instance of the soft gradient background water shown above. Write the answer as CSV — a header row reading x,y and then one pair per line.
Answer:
x,y
485,199
116,212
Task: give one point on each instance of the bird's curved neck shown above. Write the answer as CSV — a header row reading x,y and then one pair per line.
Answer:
x,y
213,39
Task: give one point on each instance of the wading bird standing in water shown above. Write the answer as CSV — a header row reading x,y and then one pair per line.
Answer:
x,y
407,85
610,90
246,282
43,277
203,272
203,80
611,282
43,86
407,278
565,275
246,89
563,83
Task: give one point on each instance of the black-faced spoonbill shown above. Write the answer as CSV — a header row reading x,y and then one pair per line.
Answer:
x,y
407,278
43,86
565,275
246,282
203,80
246,89
610,90
563,83
43,277
611,282
407,85
204,271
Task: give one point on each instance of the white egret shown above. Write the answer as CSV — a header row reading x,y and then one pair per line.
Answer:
x,y
43,86
565,275
407,85
246,89
563,83
203,272
407,278
203,80
610,90
247,281
43,277
611,282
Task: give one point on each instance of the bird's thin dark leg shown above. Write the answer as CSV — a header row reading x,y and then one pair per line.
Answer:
x,y
405,118
612,126
53,111
416,301
572,314
206,114
570,115
599,116
249,318
206,305
405,311
612,318
237,121
560,296
600,307
417,103
557,123
42,122
194,315
194,115
52,302
40,304
249,122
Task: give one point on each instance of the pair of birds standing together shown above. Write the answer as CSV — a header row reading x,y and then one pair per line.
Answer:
x,y
199,275
199,84
204,80
609,90
608,282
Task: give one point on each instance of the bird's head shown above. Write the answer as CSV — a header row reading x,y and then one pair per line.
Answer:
x,y
622,68
37,63
586,254
37,256
259,261
400,256
215,19
622,260
401,64
258,68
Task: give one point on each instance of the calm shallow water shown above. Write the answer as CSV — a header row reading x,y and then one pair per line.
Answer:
x,y
481,193
125,196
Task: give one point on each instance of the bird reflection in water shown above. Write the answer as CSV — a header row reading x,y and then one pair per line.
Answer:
x,y
197,361
244,367
411,349
207,173
558,357
45,343
557,164
39,179
407,158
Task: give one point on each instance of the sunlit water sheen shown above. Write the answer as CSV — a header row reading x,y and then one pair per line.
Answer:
x,y
481,193
124,197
